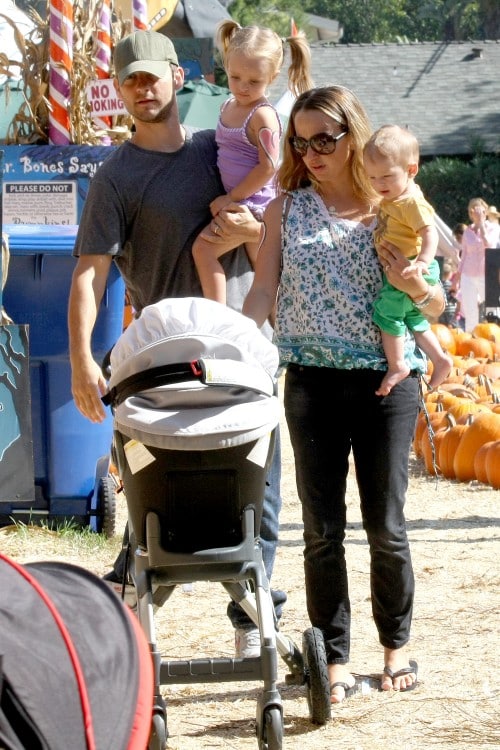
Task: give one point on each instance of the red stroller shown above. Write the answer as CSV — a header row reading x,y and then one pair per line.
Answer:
x,y
75,668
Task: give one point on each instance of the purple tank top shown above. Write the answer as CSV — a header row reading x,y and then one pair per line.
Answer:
x,y
236,156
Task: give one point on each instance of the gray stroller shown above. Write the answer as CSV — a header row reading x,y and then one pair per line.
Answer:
x,y
193,394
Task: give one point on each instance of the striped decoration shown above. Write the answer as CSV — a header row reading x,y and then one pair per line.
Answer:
x,y
103,59
61,64
140,15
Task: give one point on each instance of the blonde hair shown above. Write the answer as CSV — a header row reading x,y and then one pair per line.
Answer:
x,y
394,143
343,106
477,202
256,41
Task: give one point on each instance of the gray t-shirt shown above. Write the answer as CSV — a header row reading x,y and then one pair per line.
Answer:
x,y
145,208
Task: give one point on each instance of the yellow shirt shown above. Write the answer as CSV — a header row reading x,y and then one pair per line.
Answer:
x,y
399,221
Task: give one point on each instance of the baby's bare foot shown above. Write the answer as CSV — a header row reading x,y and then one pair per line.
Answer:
x,y
440,371
390,379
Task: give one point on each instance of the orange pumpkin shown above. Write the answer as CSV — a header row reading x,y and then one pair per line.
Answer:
x,y
446,398
459,391
419,429
492,465
438,399
465,406
432,406
436,418
456,375
482,387
475,347
430,448
495,349
490,331
445,337
490,369
484,427
448,445
462,361
480,463
460,338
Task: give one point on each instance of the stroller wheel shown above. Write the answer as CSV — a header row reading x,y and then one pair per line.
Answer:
x,y
106,504
316,672
158,738
271,735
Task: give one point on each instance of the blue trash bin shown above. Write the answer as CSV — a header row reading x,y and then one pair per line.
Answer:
x,y
71,454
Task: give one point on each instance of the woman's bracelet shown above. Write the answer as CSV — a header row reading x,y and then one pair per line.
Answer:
x,y
427,298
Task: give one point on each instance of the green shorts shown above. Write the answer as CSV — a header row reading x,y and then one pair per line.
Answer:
x,y
394,311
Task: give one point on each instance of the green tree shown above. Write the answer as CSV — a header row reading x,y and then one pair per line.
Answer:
x,y
430,20
275,15
449,183
444,20
364,21
489,15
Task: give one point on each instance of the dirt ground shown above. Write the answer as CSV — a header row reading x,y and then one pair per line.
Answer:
x,y
453,529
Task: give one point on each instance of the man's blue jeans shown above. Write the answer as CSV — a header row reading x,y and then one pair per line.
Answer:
x,y
269,530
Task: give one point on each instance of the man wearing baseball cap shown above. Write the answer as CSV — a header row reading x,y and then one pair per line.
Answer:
x,y
145,206
144,52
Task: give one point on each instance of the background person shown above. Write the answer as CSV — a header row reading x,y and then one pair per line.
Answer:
x,y
319,259
458,233
493,217
248,136
449,316
478,235
145,205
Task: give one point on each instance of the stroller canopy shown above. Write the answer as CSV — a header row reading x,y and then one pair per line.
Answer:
x,y
75,667
226,395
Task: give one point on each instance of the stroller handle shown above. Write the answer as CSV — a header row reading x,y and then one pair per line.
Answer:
x,y
211,372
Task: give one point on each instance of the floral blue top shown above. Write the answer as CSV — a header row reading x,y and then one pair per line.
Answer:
x,y
329,280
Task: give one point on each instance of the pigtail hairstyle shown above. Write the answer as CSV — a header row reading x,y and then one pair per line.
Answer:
x,y
257,41
299,72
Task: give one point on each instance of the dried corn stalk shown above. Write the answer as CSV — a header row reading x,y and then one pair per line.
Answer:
x,y
30,125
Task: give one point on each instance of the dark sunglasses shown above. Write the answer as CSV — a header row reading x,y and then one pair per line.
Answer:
x,y
322,143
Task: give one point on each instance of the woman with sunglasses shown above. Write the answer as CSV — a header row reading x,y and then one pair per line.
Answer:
x,y
319,265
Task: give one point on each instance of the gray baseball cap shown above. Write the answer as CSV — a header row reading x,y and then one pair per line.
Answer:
x,y
144,52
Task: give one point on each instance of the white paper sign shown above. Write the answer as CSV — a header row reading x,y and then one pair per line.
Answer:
x,y
39,202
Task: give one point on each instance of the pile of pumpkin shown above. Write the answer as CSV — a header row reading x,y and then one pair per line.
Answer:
x,y
463,413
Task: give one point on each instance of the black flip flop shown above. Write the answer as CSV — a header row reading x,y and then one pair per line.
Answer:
x,y
349,690
412,669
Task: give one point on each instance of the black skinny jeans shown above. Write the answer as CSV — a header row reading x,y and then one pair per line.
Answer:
x,y
330,412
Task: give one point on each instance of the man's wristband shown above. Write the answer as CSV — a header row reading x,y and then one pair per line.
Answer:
x,y
426,299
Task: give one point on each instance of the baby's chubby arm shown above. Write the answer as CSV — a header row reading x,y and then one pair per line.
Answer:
x,y
427,253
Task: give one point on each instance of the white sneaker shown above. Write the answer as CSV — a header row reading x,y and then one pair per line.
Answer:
x,y
247,643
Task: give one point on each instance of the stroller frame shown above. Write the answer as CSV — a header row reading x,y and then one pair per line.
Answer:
x,y
156,573
193,392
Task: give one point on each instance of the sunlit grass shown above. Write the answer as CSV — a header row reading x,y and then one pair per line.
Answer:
x,y
63,540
